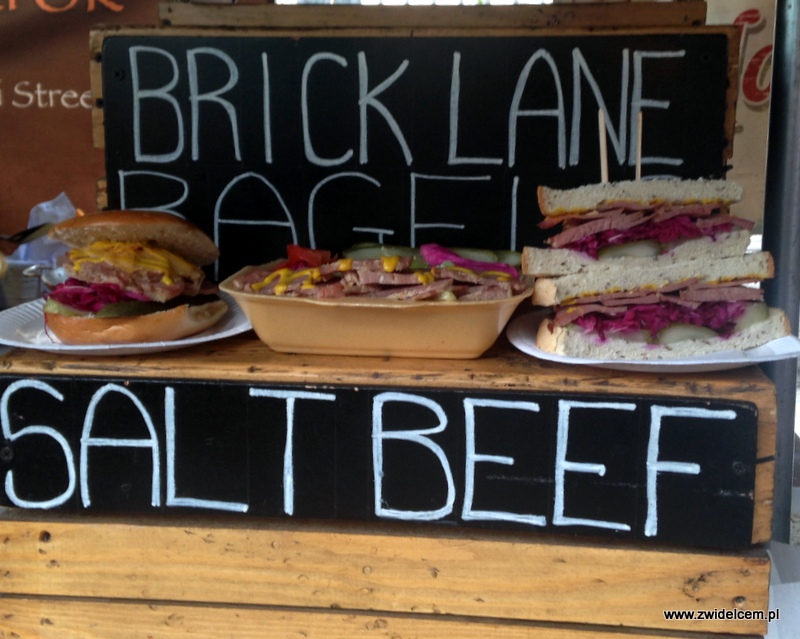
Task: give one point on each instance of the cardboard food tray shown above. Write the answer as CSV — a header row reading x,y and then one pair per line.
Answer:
x,y
377,327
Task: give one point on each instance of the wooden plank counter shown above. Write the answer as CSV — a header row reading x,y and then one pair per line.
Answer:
x,y
329,581
65,575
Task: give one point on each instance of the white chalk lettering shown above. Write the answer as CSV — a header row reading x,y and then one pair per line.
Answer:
x,y
558,112
87,442
312,198
473,458
180,102
267,109
639,102
417,436
656,465
311,155
288,222
515,452
195,97
617,136
367,98
172,498
169,207
161,93
46,431
288,450
455,91
380,233
415,224
563,465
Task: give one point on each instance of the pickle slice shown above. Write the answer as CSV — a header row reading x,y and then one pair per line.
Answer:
x,y
642,248
680,332
51,306
753,314
476,254
129,309
512,258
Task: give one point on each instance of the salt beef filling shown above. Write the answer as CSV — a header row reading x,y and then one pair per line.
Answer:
x,y
716,306
624,222
386,277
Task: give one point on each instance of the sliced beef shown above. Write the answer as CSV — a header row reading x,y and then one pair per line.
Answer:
x,y
140,281
613,223
723,294
719,220
364,277
419,292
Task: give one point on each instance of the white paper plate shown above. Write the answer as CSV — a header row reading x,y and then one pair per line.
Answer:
x,y
521,333
23,326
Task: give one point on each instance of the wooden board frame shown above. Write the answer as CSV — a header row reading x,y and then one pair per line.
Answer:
x,y
378,578
589,15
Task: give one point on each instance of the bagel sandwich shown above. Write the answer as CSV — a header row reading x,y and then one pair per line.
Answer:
x,y
132,277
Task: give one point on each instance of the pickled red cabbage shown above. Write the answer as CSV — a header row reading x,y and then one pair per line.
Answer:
x,y
681,227
719,316
435,255
91,298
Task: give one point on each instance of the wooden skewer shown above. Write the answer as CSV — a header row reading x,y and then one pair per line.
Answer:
x,y
639,148
601,125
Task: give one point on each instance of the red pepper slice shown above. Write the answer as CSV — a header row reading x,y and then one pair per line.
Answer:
x,y
300,257
306,257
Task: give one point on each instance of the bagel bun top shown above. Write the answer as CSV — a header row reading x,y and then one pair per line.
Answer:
x,y
154,228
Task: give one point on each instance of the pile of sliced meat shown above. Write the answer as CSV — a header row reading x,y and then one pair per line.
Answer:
x,y
624,222
388,278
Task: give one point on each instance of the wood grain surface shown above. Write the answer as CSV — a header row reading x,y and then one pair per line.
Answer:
x,y
377,569
593,15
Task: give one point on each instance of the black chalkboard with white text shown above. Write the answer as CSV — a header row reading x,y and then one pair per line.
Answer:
x,y
330,141
666,470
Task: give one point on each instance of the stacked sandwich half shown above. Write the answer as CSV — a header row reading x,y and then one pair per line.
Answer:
x,y
649,270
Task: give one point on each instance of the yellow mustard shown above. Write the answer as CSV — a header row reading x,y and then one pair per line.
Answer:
x,y
133,256
390,263
285,276
500,275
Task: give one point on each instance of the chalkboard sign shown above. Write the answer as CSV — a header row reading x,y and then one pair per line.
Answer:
x,y
328,141
653,469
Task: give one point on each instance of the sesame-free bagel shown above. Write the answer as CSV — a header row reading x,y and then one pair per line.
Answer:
x,y
154,228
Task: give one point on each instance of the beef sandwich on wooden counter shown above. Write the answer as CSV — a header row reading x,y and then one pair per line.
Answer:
x,y
133,276
648,271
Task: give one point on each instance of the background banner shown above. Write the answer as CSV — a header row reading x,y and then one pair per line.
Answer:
x,y
45,102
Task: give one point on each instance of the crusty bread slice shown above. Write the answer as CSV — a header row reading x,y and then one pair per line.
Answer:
x,y
591,196
546,262
548,291
573,341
